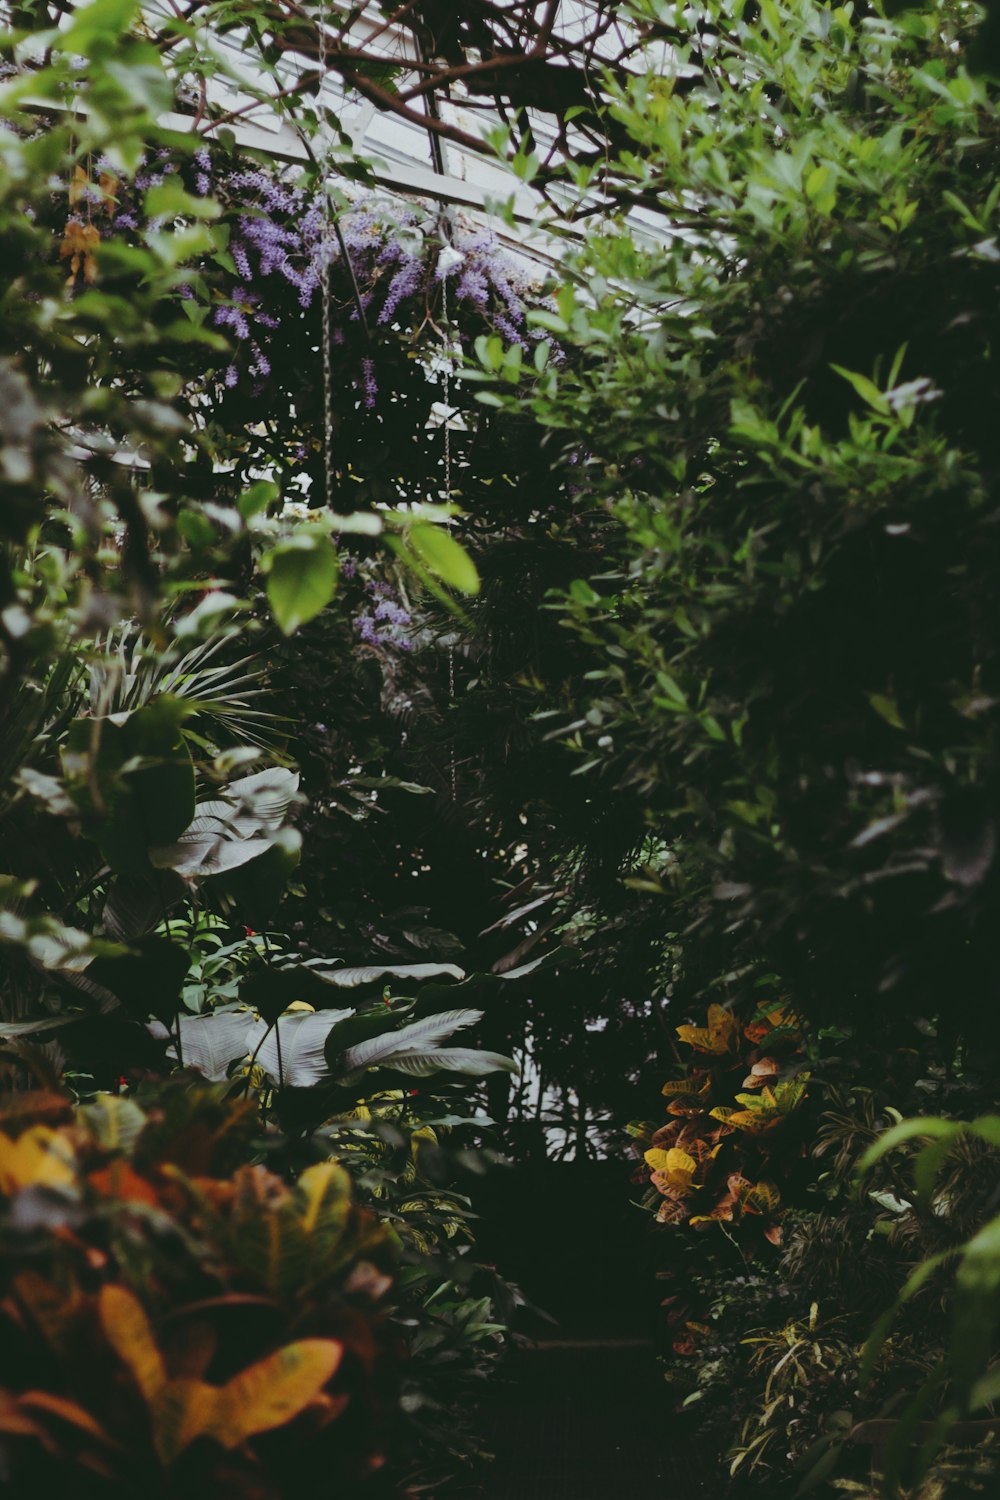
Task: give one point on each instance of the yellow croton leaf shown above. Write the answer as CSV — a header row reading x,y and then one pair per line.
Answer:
x,y
759,1198
130,1334
719,1035
675,1167
763,1111
265,1395
273,1391
182,1411
108,185
40,1157
677,1087
745,1119
79,186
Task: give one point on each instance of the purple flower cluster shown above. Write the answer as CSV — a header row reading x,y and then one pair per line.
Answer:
x,y
492,282
383,620
278,234
282,231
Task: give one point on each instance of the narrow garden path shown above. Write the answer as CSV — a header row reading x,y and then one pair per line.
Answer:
x,y
586,1420
582,1413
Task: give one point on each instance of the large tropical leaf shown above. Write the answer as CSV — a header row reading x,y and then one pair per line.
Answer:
x,y
261,802
421,1064
203,851
229,831
417,1037
350,978
292,1050
212,1042
132,778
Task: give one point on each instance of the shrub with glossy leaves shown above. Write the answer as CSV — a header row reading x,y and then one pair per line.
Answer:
x,y
176,1319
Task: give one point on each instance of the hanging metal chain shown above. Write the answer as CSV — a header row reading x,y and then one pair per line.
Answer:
x,y
326,252
446,384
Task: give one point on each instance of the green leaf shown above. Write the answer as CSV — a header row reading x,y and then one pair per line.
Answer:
x,y
301,579
96,27
977,1308
350,977
866,389
907,1130
148,979
257,498
445,557
114,1122
169,200
886,709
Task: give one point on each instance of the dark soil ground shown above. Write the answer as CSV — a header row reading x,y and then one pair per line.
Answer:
x,y
582,1413
586,1422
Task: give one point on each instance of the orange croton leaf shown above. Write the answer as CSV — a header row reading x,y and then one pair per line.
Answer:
x,y
686,1108
693,1337
671,1211
51,1309
68,1411
14,1419
769,1018
119,1180
722,1213
36,1107
718,1036
773,1233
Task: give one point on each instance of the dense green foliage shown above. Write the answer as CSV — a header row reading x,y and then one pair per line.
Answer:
x,y
640,684
152,526
792,686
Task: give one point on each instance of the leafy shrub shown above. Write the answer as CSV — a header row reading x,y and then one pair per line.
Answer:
x,y
177,1318
404,1153
712,1156
788,413
792,679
